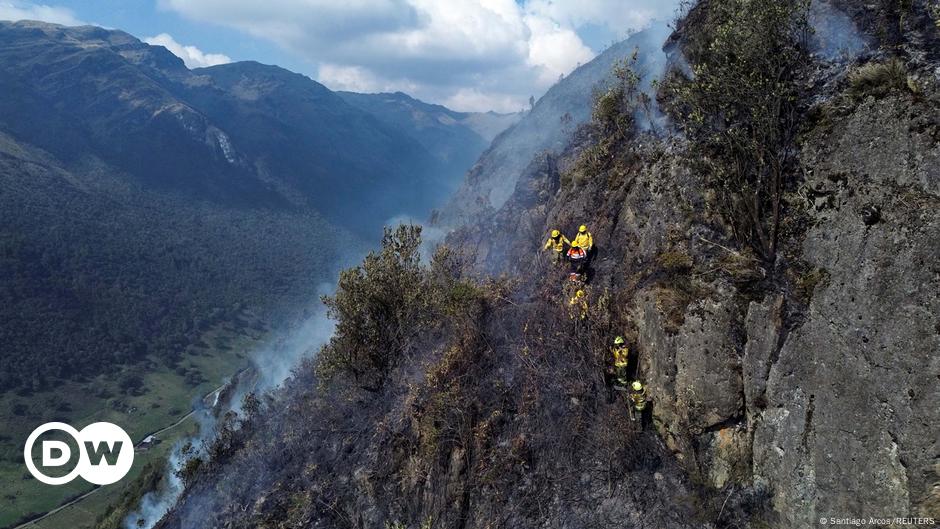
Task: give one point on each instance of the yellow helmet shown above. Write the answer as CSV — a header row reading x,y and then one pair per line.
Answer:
x,y
618,340
582,229
555,234
637,386
579,294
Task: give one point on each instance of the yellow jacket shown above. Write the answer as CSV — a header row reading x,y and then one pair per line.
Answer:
x,y
639,399
558,244
620,355
584,240
578,307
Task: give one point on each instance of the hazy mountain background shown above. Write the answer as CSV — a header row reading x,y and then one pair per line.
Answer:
x,y
456,139
142,202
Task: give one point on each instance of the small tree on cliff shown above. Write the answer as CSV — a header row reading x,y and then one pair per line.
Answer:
x,y
740,110
378,307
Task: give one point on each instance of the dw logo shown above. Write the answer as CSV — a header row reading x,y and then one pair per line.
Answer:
x,y
105,453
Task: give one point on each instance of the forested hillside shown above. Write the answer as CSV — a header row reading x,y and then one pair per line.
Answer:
x,y
143,202
97,273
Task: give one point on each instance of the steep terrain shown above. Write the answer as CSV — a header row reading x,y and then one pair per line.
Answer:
x,y
792,378
812,380
549,125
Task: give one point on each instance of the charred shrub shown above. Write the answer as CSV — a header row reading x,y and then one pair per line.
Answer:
x,y
447,406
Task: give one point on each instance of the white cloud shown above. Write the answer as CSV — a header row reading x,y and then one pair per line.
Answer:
x,y
618,16
465,53
473,100
359,79
553,50
192,56
45,13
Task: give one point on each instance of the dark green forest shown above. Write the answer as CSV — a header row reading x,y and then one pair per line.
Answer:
x,y
92,280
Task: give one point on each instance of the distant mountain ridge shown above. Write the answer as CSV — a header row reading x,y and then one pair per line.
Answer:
x,y
455,138
240,133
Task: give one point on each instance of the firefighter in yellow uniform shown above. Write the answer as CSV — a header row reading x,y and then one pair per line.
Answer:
x,y
578,306
638,399
584,239
557,243
621,353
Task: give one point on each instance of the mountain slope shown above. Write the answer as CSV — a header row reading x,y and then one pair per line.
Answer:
x,y
456,138
241,134
98,273
325,152
143,202
548,127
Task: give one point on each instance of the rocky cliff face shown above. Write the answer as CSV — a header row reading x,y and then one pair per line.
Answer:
x,y
812,381
845,417
782,392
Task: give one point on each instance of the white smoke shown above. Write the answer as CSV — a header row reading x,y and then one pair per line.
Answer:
x,y
156,503
652,67
431,236
273,364
835,36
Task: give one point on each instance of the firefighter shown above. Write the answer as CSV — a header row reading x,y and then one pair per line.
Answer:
x,y
557,243
638,398
584,239
578,306
620,353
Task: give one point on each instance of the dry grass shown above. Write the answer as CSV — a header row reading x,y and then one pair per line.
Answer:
x,y
672,302
675,261
878,79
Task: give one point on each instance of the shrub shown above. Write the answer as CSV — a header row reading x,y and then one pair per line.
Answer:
x,y
614,117
740,112
382,305
378,307
675,261
187,473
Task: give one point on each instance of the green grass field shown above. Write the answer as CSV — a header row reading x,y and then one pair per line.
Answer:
x,y
86,513
164,397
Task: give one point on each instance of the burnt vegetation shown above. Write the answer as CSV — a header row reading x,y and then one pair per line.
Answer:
x,y
463,400
462,388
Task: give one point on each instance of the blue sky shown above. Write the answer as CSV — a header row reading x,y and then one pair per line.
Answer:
x,y
467,54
